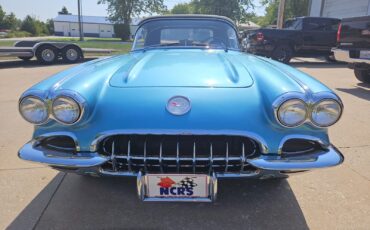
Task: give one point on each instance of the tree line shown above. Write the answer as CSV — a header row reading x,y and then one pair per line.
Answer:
x,y
29,26
241,11
122,11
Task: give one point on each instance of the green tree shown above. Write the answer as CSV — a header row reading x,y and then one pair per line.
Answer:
x,y
234,9
183,8
64,11
32,25
121,11
50,26
293,8
2,15
10,22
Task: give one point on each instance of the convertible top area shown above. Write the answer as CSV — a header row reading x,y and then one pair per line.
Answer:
x,y
184,31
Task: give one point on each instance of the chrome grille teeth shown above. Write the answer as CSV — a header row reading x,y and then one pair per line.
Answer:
x,y
194,157
129,156
243,159
133,161
113,158
227,156
145,167
177,157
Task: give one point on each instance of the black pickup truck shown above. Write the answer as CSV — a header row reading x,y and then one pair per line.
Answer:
x,y
354,46
300,37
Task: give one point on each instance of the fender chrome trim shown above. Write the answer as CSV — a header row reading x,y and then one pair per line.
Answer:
x,y
53,158
331,157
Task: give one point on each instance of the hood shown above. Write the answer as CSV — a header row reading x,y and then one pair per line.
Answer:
x,y
182,68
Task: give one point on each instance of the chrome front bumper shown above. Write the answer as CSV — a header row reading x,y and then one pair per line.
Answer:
x,y
343,56
90,161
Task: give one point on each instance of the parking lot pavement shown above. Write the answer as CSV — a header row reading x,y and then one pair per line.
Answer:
x,y
34,196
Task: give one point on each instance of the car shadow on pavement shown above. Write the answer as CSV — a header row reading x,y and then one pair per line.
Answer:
x,y
31,63
111,203
362,90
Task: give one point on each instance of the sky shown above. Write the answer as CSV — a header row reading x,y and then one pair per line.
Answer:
x,y
45,9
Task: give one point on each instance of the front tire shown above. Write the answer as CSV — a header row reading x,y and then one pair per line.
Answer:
x,y
71,54
282,53
47,54
362,75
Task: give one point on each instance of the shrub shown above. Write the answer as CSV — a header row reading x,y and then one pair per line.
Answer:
x,y
18,34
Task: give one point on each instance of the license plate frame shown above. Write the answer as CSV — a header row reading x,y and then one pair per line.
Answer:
x,y
148,187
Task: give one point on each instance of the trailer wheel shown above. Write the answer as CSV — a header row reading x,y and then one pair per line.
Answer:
x,y
71,54
46,54
25,58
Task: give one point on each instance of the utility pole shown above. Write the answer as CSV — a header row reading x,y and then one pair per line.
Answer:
x,y
280,19
80,21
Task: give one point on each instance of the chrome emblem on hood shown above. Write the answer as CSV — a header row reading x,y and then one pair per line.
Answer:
x,y
178,105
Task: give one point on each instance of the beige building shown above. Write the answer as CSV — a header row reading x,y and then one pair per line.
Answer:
x,y
93,26
339,8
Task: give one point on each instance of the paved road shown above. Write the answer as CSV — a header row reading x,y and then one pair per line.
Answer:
x,y
34,196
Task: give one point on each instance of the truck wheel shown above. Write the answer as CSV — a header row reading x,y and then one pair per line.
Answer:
x,y
25,58
282,53
71,54
362,75
46,54
330,59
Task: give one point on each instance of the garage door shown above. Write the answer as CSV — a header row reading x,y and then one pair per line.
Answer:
x,y
345,8
106,31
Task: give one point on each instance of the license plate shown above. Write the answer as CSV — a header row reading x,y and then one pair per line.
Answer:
x,y
177,187
365,54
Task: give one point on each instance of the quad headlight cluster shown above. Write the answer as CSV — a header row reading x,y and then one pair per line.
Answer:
x,y
323,113
65,109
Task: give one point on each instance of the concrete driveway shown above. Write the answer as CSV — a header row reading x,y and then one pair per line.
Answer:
x,y
36,197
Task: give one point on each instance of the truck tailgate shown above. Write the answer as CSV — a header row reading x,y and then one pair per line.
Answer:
x,y
355,32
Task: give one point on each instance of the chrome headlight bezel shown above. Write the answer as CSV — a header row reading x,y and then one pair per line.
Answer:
x,y
311,101
43,102
298,123
318,103
73,102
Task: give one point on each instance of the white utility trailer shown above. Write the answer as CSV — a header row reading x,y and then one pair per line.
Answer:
x,y
48,52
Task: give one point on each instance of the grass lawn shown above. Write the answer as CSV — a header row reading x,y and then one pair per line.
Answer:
x,y
101,43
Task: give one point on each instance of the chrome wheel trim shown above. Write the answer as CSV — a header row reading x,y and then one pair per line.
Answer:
x,y
72,54
48,55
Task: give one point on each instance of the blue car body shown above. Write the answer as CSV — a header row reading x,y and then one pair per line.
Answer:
x,y
231,93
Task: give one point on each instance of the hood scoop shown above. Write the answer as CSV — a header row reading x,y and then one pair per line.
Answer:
x,y
182,68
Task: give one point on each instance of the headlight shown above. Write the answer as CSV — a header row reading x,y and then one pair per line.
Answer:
x,y
33,110
326,112
292,112
66,110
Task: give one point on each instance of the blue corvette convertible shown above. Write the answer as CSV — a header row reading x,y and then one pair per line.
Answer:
x,y
184,108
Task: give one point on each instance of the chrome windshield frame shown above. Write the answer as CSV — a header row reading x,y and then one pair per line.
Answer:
x,y
186,17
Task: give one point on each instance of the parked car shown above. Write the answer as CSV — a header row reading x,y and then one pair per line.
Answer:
x,y
300,37
184,108
354,46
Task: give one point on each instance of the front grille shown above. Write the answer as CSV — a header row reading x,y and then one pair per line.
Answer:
x,y
178,153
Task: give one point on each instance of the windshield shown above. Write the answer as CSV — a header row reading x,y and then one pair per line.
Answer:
x,y
185,33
